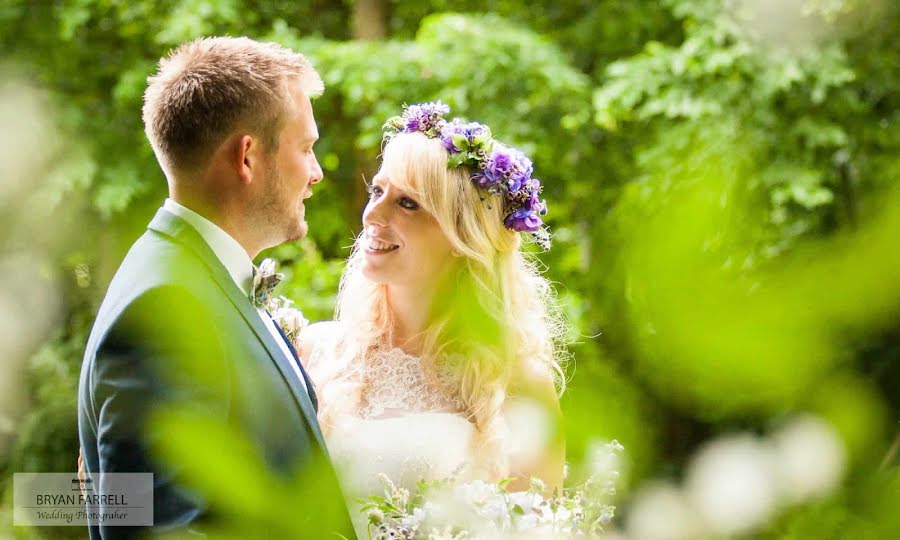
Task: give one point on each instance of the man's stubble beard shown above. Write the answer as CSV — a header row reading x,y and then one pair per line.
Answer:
x,y
271,214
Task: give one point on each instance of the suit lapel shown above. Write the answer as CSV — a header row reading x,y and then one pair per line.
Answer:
x,y
309,385
180,231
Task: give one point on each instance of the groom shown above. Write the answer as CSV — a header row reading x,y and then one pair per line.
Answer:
x,y
231,124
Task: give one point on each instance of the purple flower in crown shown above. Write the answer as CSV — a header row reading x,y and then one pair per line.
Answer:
x,y
535,202
412,124
499,165
481,180
509,166
425,117
466,136
523,219
518,178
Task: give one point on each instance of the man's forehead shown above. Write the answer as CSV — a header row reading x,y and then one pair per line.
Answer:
x,y
311,133
304,111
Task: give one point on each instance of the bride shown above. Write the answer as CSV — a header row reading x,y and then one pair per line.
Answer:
x,y
444,358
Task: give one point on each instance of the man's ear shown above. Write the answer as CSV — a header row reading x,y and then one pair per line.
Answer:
x,y
246,157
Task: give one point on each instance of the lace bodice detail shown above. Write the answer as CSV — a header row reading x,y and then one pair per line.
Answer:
x,y
396,382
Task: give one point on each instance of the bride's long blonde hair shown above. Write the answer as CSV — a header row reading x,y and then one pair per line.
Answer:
x,y
496,313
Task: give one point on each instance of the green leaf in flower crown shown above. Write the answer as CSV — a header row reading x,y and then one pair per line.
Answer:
x,y
394,123
461,142
484,138
457,159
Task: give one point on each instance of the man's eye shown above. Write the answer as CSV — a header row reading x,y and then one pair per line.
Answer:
x,y
408,203
374,191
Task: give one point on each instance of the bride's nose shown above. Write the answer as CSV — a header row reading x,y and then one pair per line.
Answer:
x,y
376,213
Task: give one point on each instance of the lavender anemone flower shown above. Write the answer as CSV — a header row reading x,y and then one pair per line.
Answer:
x,y
521,174
498,166
510,166
535,202
424,116
412,124
517,179
469,132
523,219
481,180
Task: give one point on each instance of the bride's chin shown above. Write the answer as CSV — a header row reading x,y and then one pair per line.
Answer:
x,y
373,274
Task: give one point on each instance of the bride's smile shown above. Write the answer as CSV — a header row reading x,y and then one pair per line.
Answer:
x,y
376,246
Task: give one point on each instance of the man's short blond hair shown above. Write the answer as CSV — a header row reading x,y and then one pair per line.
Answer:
x,y
206,88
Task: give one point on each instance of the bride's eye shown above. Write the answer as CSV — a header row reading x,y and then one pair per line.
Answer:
x,y
374,191
408,203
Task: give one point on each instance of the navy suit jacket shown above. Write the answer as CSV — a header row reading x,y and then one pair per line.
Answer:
x,y
174,332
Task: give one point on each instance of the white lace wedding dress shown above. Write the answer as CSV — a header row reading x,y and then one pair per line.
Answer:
x,y
403,424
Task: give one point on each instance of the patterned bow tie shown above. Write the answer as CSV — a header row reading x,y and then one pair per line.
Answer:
x,y
265,279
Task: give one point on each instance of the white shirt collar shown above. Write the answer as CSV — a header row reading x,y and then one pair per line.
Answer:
x,y
229,252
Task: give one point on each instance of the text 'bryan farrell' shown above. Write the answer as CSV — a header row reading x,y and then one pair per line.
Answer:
x,y
79,499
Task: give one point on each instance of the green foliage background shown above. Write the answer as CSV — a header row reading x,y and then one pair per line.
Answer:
x,y
723,194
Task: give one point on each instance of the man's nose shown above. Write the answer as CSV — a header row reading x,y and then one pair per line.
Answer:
x,y
317,173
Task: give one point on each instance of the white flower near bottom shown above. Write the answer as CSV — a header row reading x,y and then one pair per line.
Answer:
x,y
731,484
810,458
661,511
527,501
453,510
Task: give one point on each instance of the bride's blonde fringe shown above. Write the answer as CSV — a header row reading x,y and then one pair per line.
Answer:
x,y
497,281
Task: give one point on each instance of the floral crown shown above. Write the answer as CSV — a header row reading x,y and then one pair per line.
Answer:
x,y
495,168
